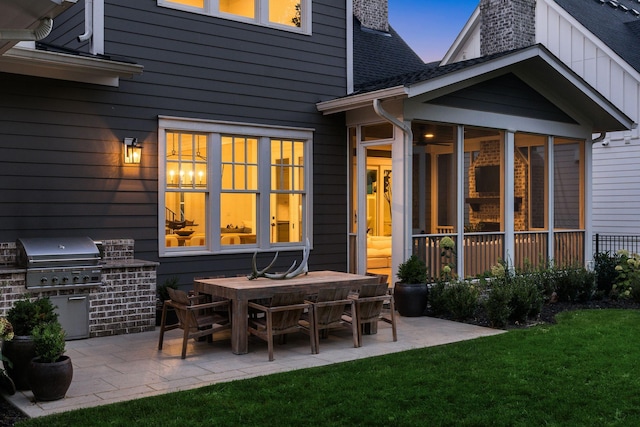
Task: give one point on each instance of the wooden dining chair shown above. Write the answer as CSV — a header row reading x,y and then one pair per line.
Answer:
x,y
368,309
328,307
281,316
194,318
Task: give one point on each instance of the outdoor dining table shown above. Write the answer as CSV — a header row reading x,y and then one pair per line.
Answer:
x,y
239,290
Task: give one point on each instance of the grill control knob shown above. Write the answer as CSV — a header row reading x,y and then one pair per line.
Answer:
x,y
44,280
54,280
65,279
76,279
85,278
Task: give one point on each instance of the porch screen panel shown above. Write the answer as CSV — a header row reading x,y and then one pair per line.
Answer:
x,y
568,184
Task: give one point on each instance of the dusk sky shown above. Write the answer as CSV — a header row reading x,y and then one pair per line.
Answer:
x,y
430,26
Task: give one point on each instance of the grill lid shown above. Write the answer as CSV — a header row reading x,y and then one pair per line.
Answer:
x,y
43,252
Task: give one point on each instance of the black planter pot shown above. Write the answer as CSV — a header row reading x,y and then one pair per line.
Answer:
x,y
50,381
410,298
20,350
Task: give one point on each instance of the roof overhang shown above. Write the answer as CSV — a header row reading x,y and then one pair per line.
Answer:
x,y
534,65
64,66
26,15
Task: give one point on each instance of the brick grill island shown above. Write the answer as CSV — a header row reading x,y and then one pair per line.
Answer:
x,y
124,303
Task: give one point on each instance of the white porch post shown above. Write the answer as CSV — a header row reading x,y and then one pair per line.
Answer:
x,y
460,201
509,198
550,196
588,203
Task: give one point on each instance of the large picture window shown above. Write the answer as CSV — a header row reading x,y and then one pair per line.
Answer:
x,y
293,15
232,187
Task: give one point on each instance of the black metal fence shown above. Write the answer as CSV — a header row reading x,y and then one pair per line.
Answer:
x,y
603,243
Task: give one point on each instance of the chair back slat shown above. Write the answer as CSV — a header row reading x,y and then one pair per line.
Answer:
x,y
326,315
369,310
287,319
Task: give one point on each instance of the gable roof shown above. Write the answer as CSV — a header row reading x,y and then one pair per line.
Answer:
x,y
535,65
378,55
616,23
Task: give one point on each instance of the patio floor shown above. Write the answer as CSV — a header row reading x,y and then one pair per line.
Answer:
x,y
125,367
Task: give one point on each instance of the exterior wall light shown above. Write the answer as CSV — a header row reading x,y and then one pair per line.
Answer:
x,y
132,151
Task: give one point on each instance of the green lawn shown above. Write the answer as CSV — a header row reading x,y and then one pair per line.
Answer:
x,y
581,372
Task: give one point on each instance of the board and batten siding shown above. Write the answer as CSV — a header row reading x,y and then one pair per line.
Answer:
x,y
61,142
616,177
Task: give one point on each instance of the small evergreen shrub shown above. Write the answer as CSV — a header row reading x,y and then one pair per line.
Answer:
x,y
575,284
526,299
461,298
48,339
497,303
605,269
437,298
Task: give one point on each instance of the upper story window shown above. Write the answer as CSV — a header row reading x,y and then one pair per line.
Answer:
x,y
292,15
232,187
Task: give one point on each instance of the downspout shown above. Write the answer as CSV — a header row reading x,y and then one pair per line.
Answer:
x,y
43,30
88,21
407,141
599,138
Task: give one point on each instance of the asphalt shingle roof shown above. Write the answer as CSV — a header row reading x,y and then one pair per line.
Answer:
x,y
379,55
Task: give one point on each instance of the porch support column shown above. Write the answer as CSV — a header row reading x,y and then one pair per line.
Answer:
x,y
550,198
588,205
509,198
460,202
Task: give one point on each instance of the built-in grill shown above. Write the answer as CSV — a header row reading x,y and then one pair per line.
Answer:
x,y
59,262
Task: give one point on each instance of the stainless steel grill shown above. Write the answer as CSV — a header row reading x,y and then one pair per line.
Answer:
x,y
59,262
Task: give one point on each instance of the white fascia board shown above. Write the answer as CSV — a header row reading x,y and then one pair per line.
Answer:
x,y
359,101
62,66
463,36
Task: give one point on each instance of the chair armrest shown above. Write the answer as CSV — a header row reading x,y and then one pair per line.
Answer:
x,y
206,305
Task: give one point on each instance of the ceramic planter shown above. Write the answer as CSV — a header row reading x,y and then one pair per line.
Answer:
x,y
50,381
410,298
20,350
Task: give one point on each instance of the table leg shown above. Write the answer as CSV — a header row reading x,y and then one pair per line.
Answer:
x,y
239,326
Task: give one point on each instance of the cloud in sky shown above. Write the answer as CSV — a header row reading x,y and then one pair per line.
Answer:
x,y
430,26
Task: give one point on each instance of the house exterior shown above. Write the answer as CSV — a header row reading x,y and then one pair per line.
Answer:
x,y
258,129
235,157
493,151
597,40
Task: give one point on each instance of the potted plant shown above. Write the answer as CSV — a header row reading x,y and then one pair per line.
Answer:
x,y
162,294
25,315
6,334
411,291
50,371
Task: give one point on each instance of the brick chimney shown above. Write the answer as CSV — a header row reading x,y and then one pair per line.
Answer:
x,y
373,14
506,25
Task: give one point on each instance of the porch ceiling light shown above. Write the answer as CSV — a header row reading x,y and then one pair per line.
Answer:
x,y
132,151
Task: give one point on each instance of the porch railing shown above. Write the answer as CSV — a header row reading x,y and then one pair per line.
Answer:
x,y
569,248
483,250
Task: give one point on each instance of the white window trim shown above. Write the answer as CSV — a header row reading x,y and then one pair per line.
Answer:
x,y
211,8
214,129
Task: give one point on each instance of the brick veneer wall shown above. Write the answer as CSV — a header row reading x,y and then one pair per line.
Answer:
x,y
506,25
490,212
124,303
372,14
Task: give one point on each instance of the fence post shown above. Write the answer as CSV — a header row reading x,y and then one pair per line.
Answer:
x,y
597,243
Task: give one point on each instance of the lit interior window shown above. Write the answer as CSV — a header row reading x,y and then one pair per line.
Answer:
x,y
285,12
246,8
194,3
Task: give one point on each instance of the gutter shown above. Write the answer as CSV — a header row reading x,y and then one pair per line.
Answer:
x,y
43,30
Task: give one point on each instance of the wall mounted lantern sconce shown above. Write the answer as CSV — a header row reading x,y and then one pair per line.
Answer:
x,y
132,151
